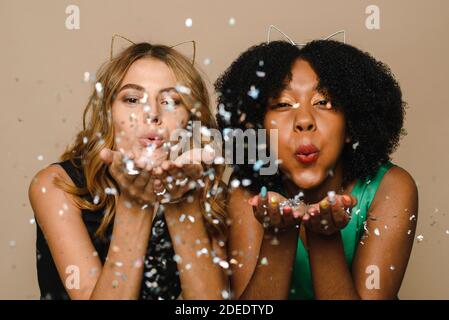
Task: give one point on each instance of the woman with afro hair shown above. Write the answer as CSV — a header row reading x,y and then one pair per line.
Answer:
x,y
337,220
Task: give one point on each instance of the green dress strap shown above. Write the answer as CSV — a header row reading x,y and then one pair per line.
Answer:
x,y
301,285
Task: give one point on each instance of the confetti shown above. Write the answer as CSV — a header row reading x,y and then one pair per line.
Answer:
x,y
188,266
12,243
246,182
377,232
355,145
110,191
253,92
264,261
43,190
235,183
420,238
40,157
99,87
32,221
260,74
223,264
85,140
392,267
86,76
96,199
332,197
232,21
182,89
188,22
257,165
225,294
207,61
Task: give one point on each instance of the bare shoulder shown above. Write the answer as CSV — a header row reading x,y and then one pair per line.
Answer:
x,y
397,186
44,193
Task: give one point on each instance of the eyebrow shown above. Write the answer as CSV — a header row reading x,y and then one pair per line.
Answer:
x,y
142,89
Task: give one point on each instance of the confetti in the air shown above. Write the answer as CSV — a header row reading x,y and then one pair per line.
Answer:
x,y
86,76
188,22
207,61
253,92
40,157
232,21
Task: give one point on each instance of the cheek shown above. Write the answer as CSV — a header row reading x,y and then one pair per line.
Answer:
x,y
176,119
125,126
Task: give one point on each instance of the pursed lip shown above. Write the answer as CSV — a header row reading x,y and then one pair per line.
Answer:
x,y
151,138
307,153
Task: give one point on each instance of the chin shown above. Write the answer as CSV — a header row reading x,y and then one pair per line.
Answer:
x,y
308,179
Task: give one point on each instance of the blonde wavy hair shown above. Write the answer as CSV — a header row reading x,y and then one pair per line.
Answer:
x,y
99,132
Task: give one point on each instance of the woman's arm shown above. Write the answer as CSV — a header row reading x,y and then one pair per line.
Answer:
x,y
200,276
393,213
70,244
263,269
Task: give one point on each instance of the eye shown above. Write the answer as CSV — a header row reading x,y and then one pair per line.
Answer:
x,y
131,100
281,105
324,104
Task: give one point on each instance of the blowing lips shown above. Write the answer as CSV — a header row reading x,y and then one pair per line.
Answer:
x,y
151,139
307,153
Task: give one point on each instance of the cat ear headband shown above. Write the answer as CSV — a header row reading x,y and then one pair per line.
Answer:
x,y
115,36
271,27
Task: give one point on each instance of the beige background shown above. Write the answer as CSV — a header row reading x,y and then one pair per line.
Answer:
x,y
43,95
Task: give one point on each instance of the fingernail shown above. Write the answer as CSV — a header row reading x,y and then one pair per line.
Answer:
x,y
274,200
347,200
306,217
324,204
287,210
263,192
296,214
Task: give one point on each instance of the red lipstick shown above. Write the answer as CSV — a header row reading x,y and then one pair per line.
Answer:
x,y
307,153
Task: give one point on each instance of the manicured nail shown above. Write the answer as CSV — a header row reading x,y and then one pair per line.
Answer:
x,y
287,210
263,192
306,217
324,204
274,200
347,201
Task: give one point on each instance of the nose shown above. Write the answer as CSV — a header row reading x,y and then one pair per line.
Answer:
x,y
304,120
152,115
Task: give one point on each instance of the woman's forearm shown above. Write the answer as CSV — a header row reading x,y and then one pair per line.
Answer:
x,y
331,276
200,276
122,272
272,275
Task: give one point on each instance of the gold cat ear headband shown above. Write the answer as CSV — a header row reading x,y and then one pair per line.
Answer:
x,y
132,42
271,27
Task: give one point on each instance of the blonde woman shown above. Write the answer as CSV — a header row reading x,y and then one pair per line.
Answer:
x,y
102,232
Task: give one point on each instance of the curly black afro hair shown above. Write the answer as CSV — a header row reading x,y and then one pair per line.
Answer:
x,y
362,87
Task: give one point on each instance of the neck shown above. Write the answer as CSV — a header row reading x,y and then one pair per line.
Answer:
x,y
331,183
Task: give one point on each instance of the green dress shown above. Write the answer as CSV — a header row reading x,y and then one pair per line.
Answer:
x,y
364,191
